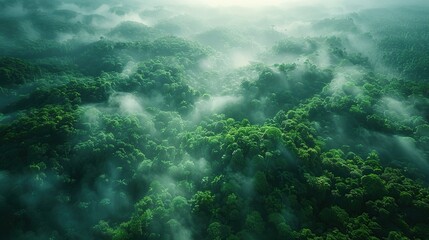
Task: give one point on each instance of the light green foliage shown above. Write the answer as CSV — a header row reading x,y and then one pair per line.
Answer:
x,y
202,202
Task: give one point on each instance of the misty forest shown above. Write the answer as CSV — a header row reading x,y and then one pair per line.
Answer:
x,y
180,120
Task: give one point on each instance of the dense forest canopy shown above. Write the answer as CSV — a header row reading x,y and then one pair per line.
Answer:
x,y
277,119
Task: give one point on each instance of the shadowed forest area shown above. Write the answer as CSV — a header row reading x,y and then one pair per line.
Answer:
x,y
180,120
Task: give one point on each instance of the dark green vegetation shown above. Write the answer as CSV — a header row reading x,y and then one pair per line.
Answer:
x,y
185,129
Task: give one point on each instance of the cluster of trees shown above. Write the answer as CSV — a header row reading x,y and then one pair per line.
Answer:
x,y
279,88
295,46
278,181
14,71
113,56
402,40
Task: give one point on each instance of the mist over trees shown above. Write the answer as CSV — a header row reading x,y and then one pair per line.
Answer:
x,y
214,120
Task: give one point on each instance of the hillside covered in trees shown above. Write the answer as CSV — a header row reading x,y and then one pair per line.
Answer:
x,y
179,120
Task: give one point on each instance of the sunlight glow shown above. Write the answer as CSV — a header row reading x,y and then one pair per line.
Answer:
x,y
243,3
264,3
239,3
